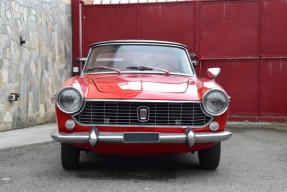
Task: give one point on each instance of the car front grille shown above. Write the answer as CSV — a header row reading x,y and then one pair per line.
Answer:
x,y
126,113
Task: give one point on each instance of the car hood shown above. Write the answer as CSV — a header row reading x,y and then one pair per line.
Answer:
x,y
142,83
141,86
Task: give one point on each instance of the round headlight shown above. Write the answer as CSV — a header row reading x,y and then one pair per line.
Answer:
x,y
70,100
215,102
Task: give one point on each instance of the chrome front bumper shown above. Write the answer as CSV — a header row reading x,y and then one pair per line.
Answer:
x,y
94,137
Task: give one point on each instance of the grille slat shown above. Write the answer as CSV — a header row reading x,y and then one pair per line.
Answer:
x,y
125,113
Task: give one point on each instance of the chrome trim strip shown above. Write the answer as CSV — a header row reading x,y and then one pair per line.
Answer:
x,y
107,137
212,137
188,138
70,137
137,72
175,138
146,101
141,126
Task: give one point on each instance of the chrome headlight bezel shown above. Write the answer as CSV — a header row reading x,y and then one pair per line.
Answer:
x,y
205,100
79,103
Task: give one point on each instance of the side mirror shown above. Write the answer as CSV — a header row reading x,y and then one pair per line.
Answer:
x,y
213,73
81,61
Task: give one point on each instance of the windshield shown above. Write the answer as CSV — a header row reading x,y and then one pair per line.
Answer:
x,y
138,59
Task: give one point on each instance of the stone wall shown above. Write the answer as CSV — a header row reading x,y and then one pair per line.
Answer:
x,y
35,69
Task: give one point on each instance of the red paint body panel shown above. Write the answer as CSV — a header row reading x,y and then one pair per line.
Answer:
x,y
194,88
246,38
146,83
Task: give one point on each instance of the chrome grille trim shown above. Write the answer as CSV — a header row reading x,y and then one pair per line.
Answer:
x,y
145,101
123,113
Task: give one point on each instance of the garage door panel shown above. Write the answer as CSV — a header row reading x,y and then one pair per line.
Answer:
x,y
169,22
274,87
274,42
104,23
229,29
240,80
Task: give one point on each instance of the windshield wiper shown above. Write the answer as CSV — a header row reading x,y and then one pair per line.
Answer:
x,y
148,68
103,67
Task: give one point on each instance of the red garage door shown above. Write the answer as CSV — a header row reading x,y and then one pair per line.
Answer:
x,y
245,38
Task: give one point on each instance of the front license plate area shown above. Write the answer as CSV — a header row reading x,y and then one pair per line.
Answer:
x,y
141,137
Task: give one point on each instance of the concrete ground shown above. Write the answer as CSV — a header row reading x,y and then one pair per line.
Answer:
x,y
253,159
26,136
41,133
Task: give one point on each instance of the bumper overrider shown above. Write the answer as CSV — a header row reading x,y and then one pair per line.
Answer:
x,y
94,136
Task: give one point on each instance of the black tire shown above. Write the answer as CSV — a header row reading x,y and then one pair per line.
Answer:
x,y
209,158
70,156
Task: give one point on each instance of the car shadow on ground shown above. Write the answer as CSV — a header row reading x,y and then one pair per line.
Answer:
x,y
160,167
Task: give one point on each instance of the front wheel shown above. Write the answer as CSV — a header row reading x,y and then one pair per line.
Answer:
x,y
209,158
70,156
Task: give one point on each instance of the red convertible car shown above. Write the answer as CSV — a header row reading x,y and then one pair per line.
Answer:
x,y
141,98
